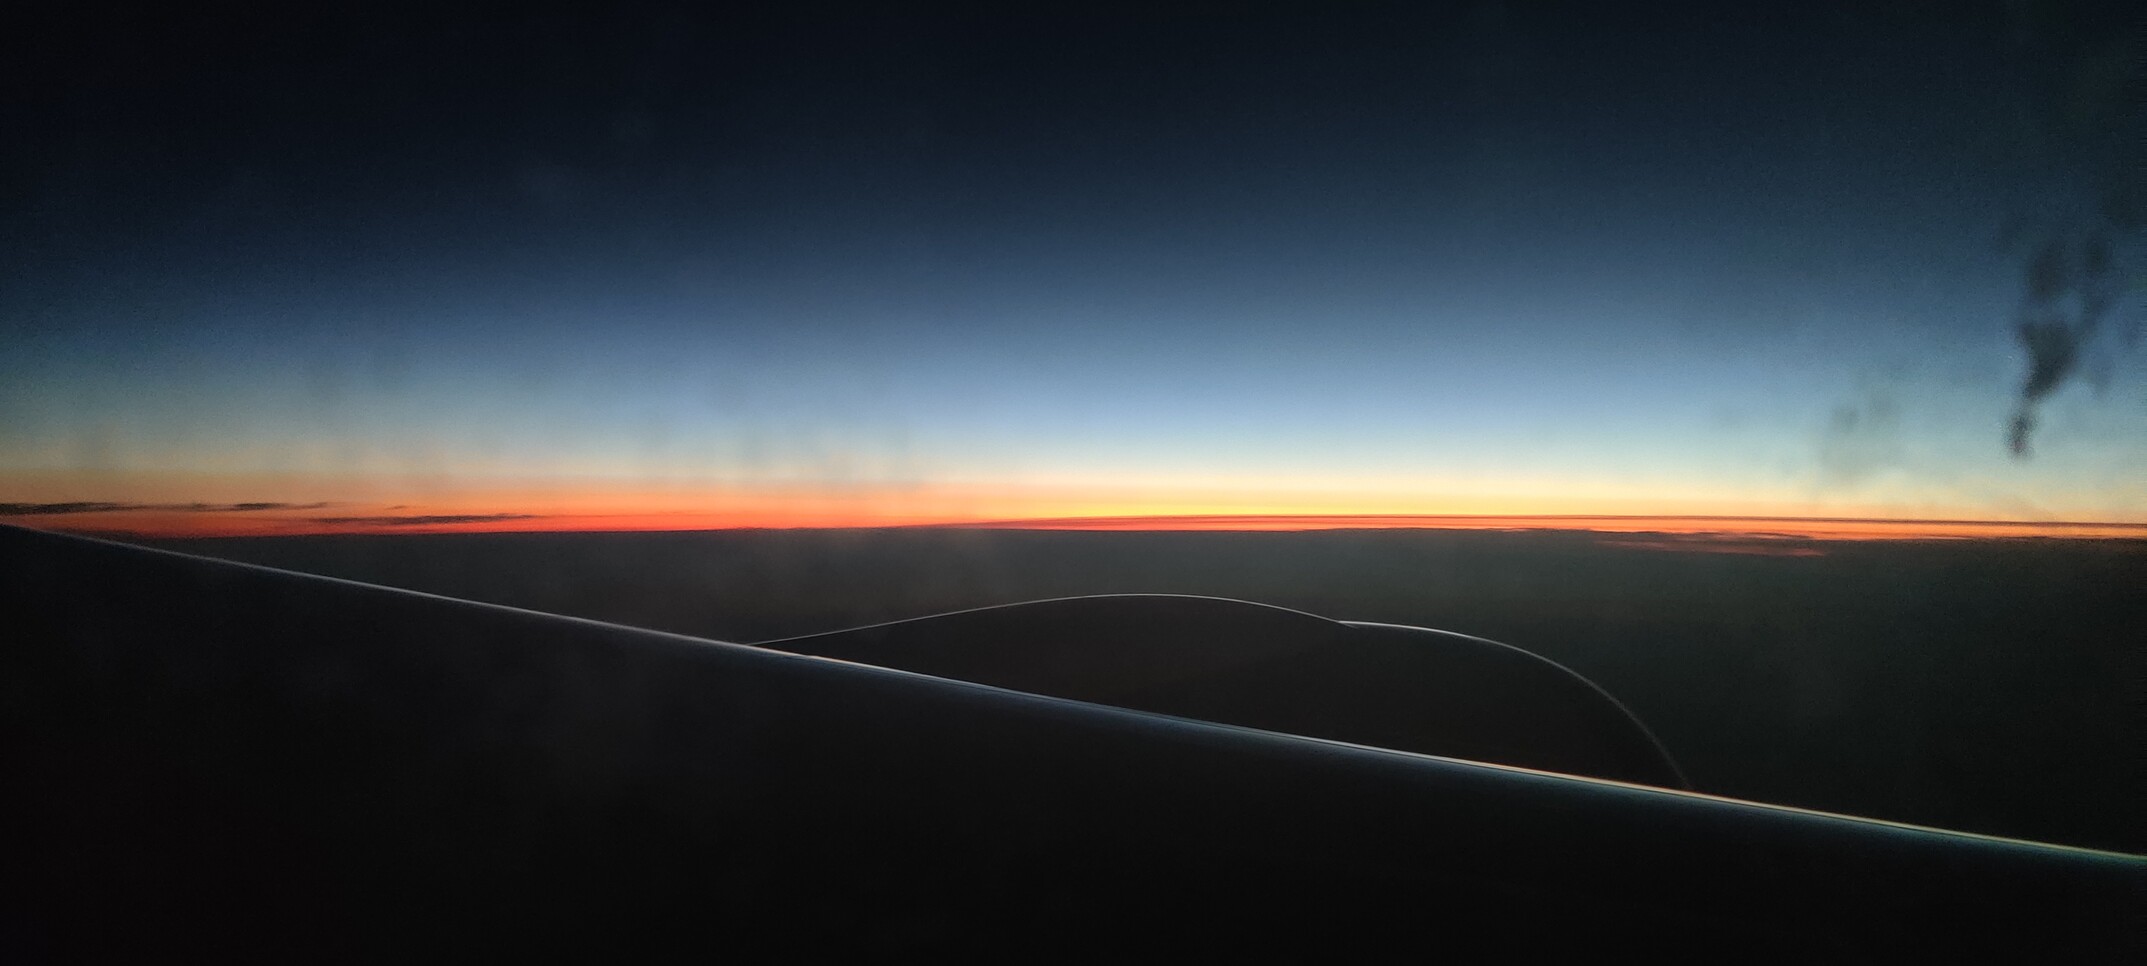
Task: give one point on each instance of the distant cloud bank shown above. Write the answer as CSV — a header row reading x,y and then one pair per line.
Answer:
x,y
86,506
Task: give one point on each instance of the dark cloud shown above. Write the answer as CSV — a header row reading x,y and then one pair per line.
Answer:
x,y
1762,545
2068,293
2081,255
44,509
418,521
86,506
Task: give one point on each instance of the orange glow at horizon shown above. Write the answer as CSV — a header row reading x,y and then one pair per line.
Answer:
x,y
1727,534
1743,528
151,505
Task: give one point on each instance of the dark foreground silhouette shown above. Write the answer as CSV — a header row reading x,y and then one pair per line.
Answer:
x,y
1984,685
206,757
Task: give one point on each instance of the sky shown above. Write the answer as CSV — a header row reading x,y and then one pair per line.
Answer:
x,y
336,272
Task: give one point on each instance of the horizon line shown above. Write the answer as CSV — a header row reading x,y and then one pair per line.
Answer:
x,y
151,524
1708,517
1721,530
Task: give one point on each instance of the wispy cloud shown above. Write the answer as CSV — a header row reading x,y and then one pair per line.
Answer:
x,y
90,506
1861,439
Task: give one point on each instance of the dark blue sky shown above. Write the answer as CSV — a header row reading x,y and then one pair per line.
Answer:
x,y
1441,258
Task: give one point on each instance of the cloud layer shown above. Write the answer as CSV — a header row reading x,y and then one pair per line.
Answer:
x,y
89,506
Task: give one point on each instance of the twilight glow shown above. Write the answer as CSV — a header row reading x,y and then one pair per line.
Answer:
x,y
1408,268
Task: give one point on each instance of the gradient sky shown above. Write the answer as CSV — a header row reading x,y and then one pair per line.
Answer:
x,y
919,266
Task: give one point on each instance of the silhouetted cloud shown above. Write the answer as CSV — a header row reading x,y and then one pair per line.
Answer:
x,y
90,506
2069,289
2080,255
427,520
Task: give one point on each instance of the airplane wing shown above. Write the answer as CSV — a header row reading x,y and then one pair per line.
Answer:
x,y
1240,663
207,758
